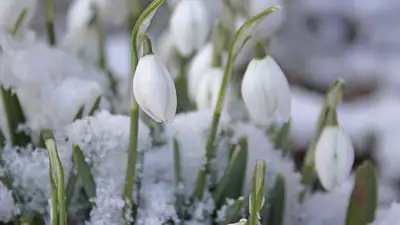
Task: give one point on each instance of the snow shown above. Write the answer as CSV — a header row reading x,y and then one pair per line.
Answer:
x,y
7,206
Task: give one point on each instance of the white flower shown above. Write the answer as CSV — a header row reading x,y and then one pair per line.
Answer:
x,y
209,86
154,89
111,12
84,43
265,91
190,26
334,157
10,10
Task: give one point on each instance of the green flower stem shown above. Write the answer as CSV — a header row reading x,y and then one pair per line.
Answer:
x,y
134,113
259,51
147,46
49,8
218,44
239,39
181,86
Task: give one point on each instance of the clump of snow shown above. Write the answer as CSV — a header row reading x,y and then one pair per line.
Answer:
x,y
29,169
104,141
388,216
7,206
313,211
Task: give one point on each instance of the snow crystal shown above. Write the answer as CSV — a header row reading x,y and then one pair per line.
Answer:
x,y
313,211
7,207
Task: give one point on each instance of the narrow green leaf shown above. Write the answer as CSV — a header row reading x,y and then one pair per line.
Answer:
x,y
95,106
232,181
71,185
49,8
200,184
282,138
16,28
363,200
177,162
257,192
276,202
32,218
15,116
233,212
79,113
84,172
56,174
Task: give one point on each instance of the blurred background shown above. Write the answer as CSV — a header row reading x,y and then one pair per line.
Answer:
x,y
315,42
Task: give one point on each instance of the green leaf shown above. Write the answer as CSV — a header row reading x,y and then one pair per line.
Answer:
x,y
276,202
84,172
282,137
71,184
364,197
233,212
17,26
177,162
15,117
232,181
257,192
33,218
56,175
200,184
79,113
95,106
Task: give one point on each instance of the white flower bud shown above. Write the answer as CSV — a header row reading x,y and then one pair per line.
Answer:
x,y
111,12
265,91
10,10
209,86
334,157
190,26
154,90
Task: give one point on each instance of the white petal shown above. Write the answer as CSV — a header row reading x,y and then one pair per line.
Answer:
x,y
334,157
282,90
190,26
154,89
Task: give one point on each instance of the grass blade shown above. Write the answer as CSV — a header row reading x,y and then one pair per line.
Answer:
x,y
257,193
276,202
84,172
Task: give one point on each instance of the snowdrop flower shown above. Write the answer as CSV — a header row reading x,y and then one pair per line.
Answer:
x,y
154,90
190,26
112,12
10,10
265,91
209,86
334,157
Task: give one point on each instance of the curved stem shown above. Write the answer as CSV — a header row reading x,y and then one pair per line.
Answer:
x,y
134,115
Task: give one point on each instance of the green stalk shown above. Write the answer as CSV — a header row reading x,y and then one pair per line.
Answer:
x,y
240,38
49,8
16,28
134,113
